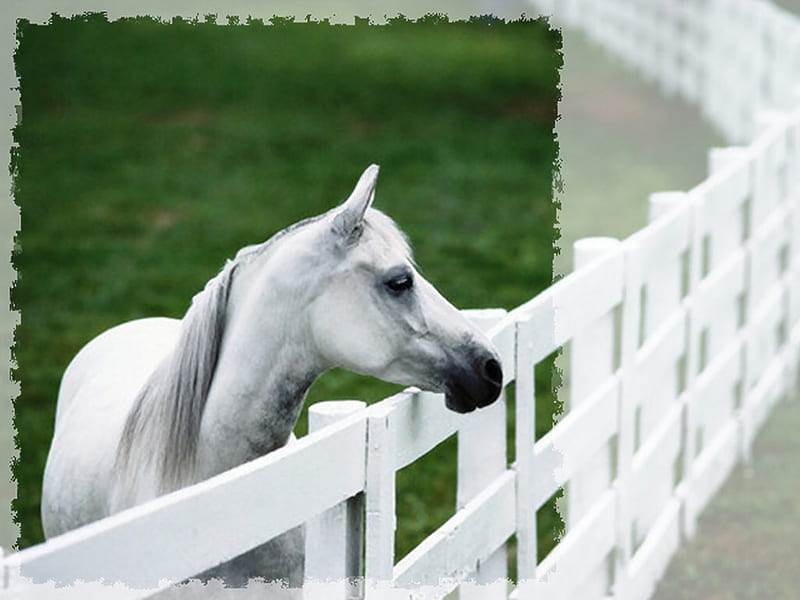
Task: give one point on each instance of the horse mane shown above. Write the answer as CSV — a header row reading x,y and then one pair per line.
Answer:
x,y
163,425
165,418
161,431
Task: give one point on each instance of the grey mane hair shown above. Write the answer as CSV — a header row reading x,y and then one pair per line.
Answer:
x,y
165,419
164,423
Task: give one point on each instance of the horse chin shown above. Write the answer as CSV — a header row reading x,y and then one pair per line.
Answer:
x,y
457,399
476,386
458,404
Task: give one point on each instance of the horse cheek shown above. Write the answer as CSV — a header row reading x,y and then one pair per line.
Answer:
x,y
351,343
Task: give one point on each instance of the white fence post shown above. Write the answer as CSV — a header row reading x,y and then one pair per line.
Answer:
x,y
481,459
659,204
592,360
793,180
761,200
525,437
381,519
334,538
719,159
632,331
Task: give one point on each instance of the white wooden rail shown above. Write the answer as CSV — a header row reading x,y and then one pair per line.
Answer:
x,y
681,338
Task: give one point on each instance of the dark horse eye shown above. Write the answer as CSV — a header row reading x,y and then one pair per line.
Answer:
x,y
400,283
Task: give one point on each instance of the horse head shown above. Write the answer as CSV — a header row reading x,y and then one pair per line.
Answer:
x,y
373,313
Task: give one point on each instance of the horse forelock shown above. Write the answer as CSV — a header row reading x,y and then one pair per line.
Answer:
x,y
386,230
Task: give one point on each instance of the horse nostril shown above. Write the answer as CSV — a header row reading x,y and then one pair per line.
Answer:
x,y
493,371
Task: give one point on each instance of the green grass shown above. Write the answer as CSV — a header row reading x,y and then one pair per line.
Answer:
x,y
149,153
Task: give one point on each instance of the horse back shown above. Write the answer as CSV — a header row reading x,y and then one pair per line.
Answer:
x,y
96,393
123,356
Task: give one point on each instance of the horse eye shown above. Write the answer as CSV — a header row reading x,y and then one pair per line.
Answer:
x,y
400,283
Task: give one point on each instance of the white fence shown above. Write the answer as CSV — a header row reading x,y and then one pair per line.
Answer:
x,y
680,339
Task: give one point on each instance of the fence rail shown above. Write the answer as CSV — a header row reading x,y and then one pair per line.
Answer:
x,y
680,339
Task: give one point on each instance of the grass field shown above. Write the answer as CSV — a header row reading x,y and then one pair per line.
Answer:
x,y
149,153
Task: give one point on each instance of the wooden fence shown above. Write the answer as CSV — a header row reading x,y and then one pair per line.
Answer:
x,y
680,339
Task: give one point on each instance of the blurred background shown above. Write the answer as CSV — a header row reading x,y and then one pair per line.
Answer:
x,y
151,152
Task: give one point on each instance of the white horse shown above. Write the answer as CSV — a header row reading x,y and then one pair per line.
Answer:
x,y
157,404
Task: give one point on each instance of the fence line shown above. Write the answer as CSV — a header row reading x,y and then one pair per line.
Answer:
x,y
681,338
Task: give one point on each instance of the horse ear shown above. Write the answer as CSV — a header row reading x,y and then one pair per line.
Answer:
x,y
349,216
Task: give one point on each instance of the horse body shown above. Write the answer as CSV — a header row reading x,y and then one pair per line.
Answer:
x,y
156,404
95,398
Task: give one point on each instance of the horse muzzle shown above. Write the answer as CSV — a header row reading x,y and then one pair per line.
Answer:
x,y
474,383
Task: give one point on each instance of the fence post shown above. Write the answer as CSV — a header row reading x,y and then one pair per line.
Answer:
x,y
334,538
381,518
525,437
482,458
752,214
784,171
793,187
592,359
661,203
632,330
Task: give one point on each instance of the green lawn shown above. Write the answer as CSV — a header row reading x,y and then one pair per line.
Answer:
x,y
149,153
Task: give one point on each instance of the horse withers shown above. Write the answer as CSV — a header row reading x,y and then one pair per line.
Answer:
x,y
156,404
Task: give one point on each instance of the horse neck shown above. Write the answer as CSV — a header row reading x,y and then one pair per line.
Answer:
x,y
264,369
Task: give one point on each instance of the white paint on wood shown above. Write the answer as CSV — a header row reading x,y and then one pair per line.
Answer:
x,y
503,336
717,388
652,557
652,482
380,498
669,232
482,458
653,379
467,538
333,538
578,437
760,399
592,362
197,527
601,280
419,421
525,436
711,468
541,314
581,550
